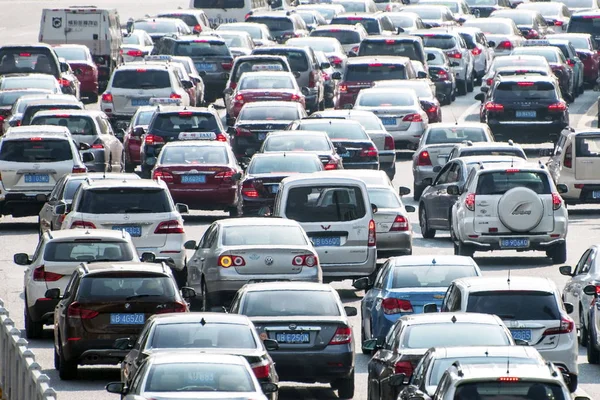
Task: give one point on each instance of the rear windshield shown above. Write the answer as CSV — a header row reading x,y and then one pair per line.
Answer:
x,y
548,53
201,49
374,72
337,131
578,4
440,365
493,152
384,199
259,236
582,24
325,203
344,37
27,60
269,113
494,28
219,4
520,18
385,100
133,39
290,303
296,142
369,121
144,117
284,165
580,43
432,276
274,24
441,42
24,82
500,62
189,20
513,390
32,109
455,135
156,26
141,79
424,336
77,125
499,182
352,6
297,59
182,122
513,72
525,91
35,150
426,13
123,286
197,155
395,48
254,66
234,40
587,146
179,377
255,32
195,335
71,53
266,82
370,25
515,305
87,250
125,201
9,97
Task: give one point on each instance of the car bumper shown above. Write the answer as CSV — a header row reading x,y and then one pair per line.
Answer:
x,y
421,173
99,163
387,158
412,135
361,165
206,199
400,242
95,351
528,131
565,354
21,204
583,195
350,270
42,310
536,242
89,86
331,363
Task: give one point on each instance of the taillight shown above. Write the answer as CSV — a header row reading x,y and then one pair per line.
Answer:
x,y
175,96
295,97
343,88
400,224
332,164
304,260
389,143
454,54
369,152
249,190
107,98
228,261
312,79
571,63
220,137
443,75
470,201
153,139
64,82
505,45
335,60
413,118
261,370
242,132
532,34
372,241
167,227
79,170
476,51
558,107
342,335
568,163
232,85
556,201
403,367
82,225
197,28
225,175
135,53
566,326
424,158
173,307
40,274
97,146
355,49
495,107
396,306
227,65
164,176
75,311
489,81
239,98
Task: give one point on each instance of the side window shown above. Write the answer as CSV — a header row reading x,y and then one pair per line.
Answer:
x,y
204,239
454,175
559,145
137,379
443,176
378,284
71,285
456,302
235,304
443,386
581,262
568,153
57,190
417,377
141,342
392,334
38,250
387,24
447,298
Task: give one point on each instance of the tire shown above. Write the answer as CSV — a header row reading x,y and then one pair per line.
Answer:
x,y
180,276
146,173
321,105
67,369
593,354
129,167
235,211
205,302
559,253
122,162
345,387
109,167
33,329
583,332
417,192
426,231
572,383
462,249
461,87
56,358
362,337
93,98
471,84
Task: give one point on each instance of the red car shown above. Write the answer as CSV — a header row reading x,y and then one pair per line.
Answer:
x,y
264,86
80,59
132,140
586,52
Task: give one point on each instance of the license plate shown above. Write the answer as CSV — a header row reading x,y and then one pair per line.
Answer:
x,y
596,194
292,338
526,114
388,121
522,334
193,179
127,319
326,241
134,231
37,178
262,136
516,243
206,67
140,102
274,188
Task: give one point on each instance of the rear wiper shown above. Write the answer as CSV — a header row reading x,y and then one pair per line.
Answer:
x,y
136,210
103,260
139,296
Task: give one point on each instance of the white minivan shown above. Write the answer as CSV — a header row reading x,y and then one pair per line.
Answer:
x,y
337,215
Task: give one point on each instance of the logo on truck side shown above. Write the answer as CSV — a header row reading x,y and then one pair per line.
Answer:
x,y
56,22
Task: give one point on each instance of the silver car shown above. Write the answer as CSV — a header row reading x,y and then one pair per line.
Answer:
x,y
349,36
394,231
136,45
521,62
260,33
239,43
406,20
328,11
502,33
236,251
330,46
556,14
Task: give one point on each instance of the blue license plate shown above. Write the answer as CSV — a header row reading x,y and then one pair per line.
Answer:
x,y
596,194
262,136
134,231
140,102
37,178
514,243
193,178
388,121
522,334
327,241
206,67
127,319
526,114
292,338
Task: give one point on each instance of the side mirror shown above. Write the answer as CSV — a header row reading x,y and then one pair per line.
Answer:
x,y
430,57
129,26
237,176
271,344
569,308
87,157
410,209
590,290
21,259
403,191
546,153
268,387
123,343
491,44
53,294
139,131
372,344
115,387
430,308
521,342
84,146
325,65
484,89
374,208
582,398
182,208
397,380
362,283
421,75
351,311
188,292
190,245
428,181
399,30
187,84
60,209
336,76
64,67
562,188
228,91
480,97
148,257
566,270
305,91
453,190
428,26
437,169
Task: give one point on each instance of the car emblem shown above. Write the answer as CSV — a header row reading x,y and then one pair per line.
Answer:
x,y
325,228
438,296
293,327
126,217
36,166
127,306
268,260
522,209
254,256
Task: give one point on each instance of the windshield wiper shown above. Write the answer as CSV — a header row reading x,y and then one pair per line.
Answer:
x,y
104,260
139,296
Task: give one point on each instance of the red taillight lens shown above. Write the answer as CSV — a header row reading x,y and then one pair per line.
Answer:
x,y
476,51
228,261
97,146
135,53
331,165
566,326
261,370
153,139
221,138
175,96
249,190
79,170
107,98
505,45
163,175
82,225
389,143
304,260
413,118
372,241
470,201
40,274
558,23
232,85
369,152
172,226
443,75
75,311
400,224
197,28
239,98
568,163
403,367
495,107
454,54
295,97
64,82
396,306
424,158
556,201
173,307
312,79
226,176
335,60
342,335
558,107
343,88
227,66
489,81
532,34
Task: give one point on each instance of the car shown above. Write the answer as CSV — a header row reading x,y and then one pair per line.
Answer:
x,y
321,348
260,33
336,214
501,33
9,97
528,212
440,73
432,15
352,141
349,36
518,63
87,310
239,43
194,90
68,102
24,188
266,170
132,138
315,142
407,21
581,9
543,320
469,148
382,139
282,24
136,45
15,116
582,21
158,28
400,45
374,24
412,335
155,224
593,350
60,199
30,81
585,46
328,11
483,10
502,109
196,20
556,14
81,61
425,89
400,112
460,8
530,22
168,374
518,70
265,86
371,178
327,71
330,46
173,123
483,53
435,146
311,18
404,285
92,131
368,6
35,58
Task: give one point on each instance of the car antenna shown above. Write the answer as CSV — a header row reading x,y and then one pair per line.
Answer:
x,y
508,279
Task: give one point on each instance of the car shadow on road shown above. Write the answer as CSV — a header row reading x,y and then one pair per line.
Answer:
x,y
583,212
512,262
86,377
196,219
17,228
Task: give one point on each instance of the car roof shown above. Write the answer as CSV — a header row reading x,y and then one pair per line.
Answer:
x,y
338,27
88,234
361,174
86,112
497,160
266,73
503,20
337,121
465,124
342,113
119,266
383,89
209,317
295,133
455,317
396,38
515,11
176,357
271,14
191,143
527,78
499,145
136,65
356,14
488,351
424,7
517,283
303,286
585,13
493,371
321,177
445,260
378,59
43,131
286,154
519,67
550,48
103,175
248,221
125,183
589,131
29,76
72,46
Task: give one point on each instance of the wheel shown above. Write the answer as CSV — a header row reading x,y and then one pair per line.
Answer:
x,y
33,329
205,302
583,332
572,383
593,354
363,338
235,211
122,162
93,98
427,232
180,276
417,192
471,84
322,105
56,359
109,167
461,87
345,387
129,167
146,173
67,369
462,249
558,254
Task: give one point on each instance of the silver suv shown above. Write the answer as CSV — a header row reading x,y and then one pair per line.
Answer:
x,y
515,208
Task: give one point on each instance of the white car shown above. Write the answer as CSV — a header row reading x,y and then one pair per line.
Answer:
x,y
501,33
57,255
143,208
136,45
483,53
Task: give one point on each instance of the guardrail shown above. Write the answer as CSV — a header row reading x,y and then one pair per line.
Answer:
x,y
21,377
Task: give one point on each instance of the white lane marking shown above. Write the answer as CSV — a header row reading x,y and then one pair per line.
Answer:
x,y
468,112
588,117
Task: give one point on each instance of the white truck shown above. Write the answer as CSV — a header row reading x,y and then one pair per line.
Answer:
x,y
97,28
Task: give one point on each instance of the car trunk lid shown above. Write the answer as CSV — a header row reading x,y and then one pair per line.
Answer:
x,y
141,226
266,260
384,218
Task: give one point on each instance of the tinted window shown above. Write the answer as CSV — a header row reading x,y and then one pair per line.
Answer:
x,y
31,110
519,18
35,151
290,143
266,82
324,45
325,203
578,3
492,152
27,60
514,390
200,49
269,113
548,53
337,131
71,188
9,97
430,276
71,53
424,336
198,377
441,42
385,100
141,79
284,165
276,303
403,21
182,122
384,199
98,288
494,28
344,37
517,305
24,82
587,146
234,40
297,59
370,25
156,26
259,236
353,6
189,20
144,117
441,365
374,72
124,201
221,4
469,40
133,39
77,125
426,13
274,24
455,135
499,182
186,335
185,155
524,91
254,65
391,48
87,250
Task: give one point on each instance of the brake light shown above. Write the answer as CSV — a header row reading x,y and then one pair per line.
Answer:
x,y
239,98
225,175
153,139
489,81
558,23
227,65
24,54
506,45
571,63
107,98
396,306
175,96
221,138
75,311
82,225
470,202
242,132
167,227
335,60
413,118
533,34
140,70
403,367
558,107
375,65
63,82
400,224
185,113
343,88
164,176
197,28
372,241
135,53
556,201
332,164
369,152
232,85
509,379
476,51
512,170
568,163
342,335
524,83
424,158
354,49
261,370
454,54
304,260
97,146
443,75
295,97
389,143
228,261
495,107
40,274
566,326
173,307
431,109
249,190
78,170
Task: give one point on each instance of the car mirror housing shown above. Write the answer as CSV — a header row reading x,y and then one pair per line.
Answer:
x,y
403,191
566,270
21,259
453,190
430,308
187,292
410,209
53,294
590,290
148,257
190,245
351,311
271,344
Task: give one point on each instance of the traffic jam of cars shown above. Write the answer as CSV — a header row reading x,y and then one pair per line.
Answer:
x,y
286,130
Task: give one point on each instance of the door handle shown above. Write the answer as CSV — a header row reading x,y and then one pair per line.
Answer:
x,y
202,258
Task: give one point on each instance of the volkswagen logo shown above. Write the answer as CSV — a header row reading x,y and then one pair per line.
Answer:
x,y
127,306
268,260
293,327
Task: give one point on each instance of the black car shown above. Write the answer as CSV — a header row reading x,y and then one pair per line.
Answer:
x,y
484,9
400,45
282,24
440,72
374,24
528,109
585,22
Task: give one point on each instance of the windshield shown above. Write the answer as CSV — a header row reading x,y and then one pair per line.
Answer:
x,y
234,40
35,150
385,99
198,377
455,135
289,303
515,91
258,65
266,113
439,276
296,142
440,365
71,53
384,199
580,43
194,155
389,48
481,3
323,203
514,304
370,121
584,25
327,13
258,236
344,37
494,28
351,131
421,87
87,250
548,53
9,97
176,123
201,48
207,335
125,201
297,59
189,20
424,336
441,42
284,165
274,24
426,13
374,72
254,32
77,125
157,26
28,60
98,288
520,18
263,81
141,79
512,391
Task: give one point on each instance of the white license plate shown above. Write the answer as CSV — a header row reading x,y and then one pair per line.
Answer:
x,y
525,114
514,243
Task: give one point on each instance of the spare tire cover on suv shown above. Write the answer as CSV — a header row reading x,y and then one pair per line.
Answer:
x,y
520,209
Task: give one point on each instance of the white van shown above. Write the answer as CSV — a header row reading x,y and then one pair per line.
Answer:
x,y
97,28
337,216
227,11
